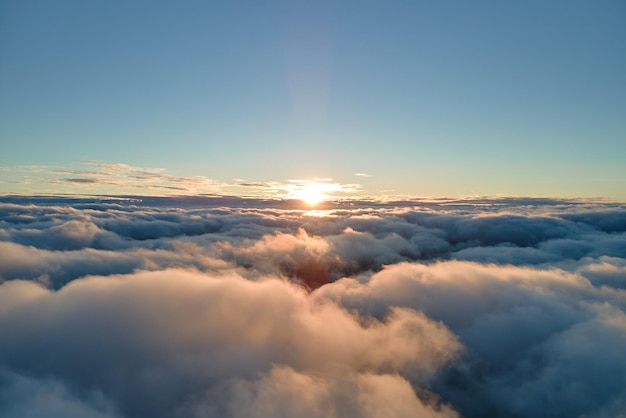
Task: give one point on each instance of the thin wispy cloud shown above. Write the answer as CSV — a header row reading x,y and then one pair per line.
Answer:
x,y
119,179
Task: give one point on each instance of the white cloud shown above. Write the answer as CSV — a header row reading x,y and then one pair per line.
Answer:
x,y
204,306
138,337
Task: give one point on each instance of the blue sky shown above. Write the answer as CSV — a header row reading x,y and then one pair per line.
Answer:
x,y
428,98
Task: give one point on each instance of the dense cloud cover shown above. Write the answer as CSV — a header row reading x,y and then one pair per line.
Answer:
x,y
215,307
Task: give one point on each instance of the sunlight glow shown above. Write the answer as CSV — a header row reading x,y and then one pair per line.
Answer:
x,y
312,193
312,196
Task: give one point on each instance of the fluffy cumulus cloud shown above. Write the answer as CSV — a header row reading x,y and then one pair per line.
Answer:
x,y
205,307
157,343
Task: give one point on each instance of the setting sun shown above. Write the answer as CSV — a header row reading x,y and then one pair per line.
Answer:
x,y
312,193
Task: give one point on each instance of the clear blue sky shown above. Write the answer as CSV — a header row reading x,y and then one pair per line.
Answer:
x,y
428,97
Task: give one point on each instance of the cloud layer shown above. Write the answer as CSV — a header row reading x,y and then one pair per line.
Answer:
x,y
186,307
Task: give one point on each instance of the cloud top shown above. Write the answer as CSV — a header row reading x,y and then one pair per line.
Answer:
x,y
197,307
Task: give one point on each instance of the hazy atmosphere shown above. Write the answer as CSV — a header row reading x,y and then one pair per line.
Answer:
x,y
303,209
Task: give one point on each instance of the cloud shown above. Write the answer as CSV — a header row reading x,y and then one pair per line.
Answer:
x,y
213,306
605,271
529,334
286,392
24,397
583,370
104,178
255,184
152,342
356,240
79,180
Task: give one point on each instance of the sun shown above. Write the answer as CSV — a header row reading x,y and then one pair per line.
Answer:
x,y
312,196
311,193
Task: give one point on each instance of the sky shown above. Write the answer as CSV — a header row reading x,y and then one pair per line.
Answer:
x,y
419,98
